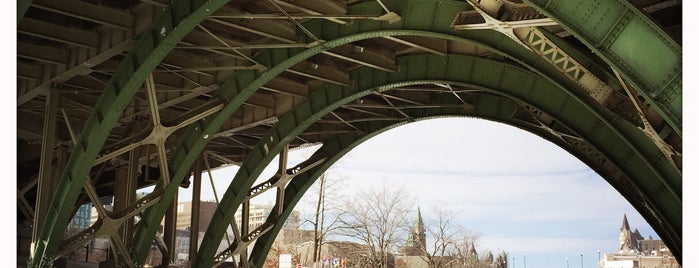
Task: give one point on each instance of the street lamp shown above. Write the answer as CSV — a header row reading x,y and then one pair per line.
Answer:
x,y
581,261
524,255
599,259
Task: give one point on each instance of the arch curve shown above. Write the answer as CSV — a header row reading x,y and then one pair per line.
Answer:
x,y
655,186
576,114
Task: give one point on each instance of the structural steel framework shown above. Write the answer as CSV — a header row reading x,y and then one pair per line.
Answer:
x,y
116,96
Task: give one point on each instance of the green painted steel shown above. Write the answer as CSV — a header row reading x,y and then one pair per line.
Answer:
x,y
631,43
191,144
477,72
233,92
280,59
151,47
414,23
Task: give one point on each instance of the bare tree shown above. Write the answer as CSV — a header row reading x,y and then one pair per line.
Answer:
x,y
377,218
451,245
326,216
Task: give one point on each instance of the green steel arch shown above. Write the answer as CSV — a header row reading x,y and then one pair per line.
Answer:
x,y
243,84
418,19
616,142
336,147
152,46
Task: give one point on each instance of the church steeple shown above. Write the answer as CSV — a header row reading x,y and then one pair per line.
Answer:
x,y
628,241
625,224
416,245
418,226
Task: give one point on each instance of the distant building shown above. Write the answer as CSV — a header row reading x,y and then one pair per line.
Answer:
x,y
414,252
259,213
184,214
638,252
501,260
81,220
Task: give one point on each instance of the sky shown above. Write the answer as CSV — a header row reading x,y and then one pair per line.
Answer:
x,y
519,192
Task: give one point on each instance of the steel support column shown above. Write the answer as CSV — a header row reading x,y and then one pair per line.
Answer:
x,y
46,183
125,194
170,232
196,204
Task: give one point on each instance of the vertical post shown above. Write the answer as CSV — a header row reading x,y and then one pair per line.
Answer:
x,y
125,193
283,159
170,232
46,183
131,187
194,223
581,261
245,219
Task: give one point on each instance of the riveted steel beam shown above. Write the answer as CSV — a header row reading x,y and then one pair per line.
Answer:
x,y
150,48
653,66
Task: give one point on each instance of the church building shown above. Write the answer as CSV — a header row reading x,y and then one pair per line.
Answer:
x,y
635,251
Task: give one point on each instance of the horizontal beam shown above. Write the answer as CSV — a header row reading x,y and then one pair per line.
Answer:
x,y
94,13
54,32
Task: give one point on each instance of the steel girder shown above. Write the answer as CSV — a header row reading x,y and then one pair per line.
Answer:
x,y
242,85
477,36
631,43
413,22
177,20
613,139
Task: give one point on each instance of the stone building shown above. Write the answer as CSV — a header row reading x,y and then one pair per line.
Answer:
x,y
635,251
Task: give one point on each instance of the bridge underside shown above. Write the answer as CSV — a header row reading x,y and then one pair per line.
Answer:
x,y
114,96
